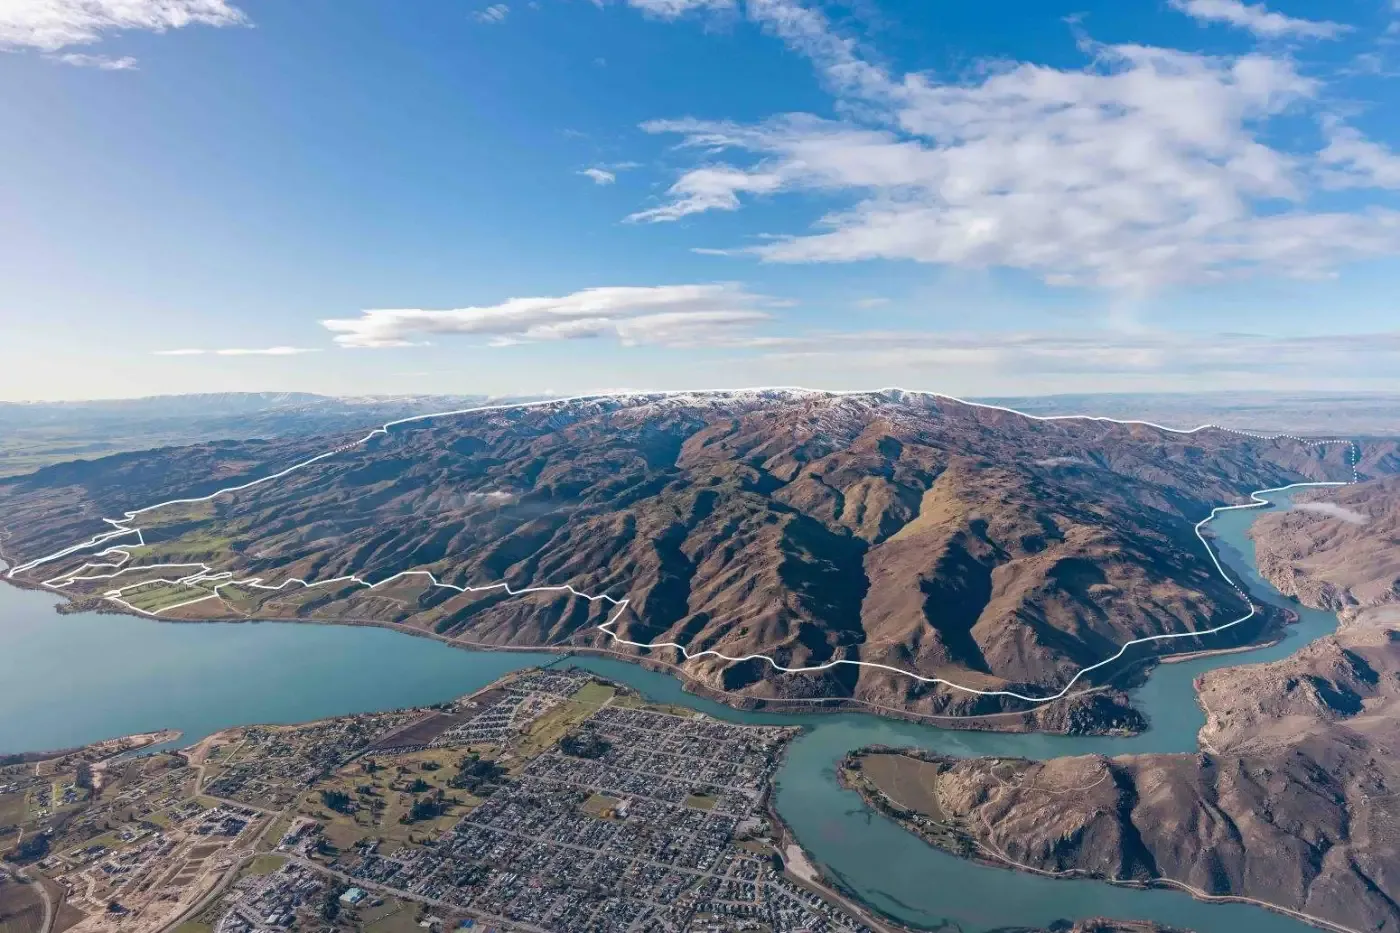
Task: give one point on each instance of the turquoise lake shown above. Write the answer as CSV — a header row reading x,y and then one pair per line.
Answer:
x,y
70,679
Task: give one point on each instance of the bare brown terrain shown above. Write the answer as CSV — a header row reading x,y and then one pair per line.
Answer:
x,y
977,545
21,905
1338,548
1294,800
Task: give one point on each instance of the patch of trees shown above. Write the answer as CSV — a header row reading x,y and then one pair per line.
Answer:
x,y
337,800
330,907
585,744
31,849
427,808
83,777
478,775
418,786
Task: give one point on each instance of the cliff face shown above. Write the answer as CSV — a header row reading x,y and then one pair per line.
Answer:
x,y
961,542
1295,799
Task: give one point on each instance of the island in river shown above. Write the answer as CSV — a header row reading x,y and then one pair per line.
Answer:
x,y
1293,800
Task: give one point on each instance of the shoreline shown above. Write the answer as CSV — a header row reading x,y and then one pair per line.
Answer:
x,y
819,881
1098,721
71,605
1134,671
110,747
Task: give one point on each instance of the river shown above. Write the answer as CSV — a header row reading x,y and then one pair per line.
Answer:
x,y
67,680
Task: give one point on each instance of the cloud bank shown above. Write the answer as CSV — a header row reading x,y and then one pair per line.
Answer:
x,y
1146,167
664,315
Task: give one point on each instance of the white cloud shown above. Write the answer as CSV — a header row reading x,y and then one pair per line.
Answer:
x,y
1353,161
607,172
495,13
670,315
1332,510
600,176
103,62
1257,19
1148,166
872,302
50,25
237,351
711,188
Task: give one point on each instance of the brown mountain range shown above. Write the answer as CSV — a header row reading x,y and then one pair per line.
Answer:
x,y
958,541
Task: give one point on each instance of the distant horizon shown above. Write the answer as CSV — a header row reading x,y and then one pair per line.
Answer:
x,y
600,393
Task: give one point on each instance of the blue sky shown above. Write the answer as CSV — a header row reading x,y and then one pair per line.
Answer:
x,y
565,195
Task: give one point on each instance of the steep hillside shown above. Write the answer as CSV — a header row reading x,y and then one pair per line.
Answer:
x,y
1295,797
1338,548
966,543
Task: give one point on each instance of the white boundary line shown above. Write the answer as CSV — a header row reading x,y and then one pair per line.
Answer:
x,y
206,574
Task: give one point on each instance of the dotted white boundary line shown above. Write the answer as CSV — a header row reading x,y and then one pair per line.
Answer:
x,y
206,573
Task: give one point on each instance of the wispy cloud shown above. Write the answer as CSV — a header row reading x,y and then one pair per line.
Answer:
x,y
667,315
600,176
874,301
50,25
670,9
237,351
495,13
1258,19
1353,161
606,173
103,62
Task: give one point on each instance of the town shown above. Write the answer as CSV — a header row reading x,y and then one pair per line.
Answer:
x,y
552,800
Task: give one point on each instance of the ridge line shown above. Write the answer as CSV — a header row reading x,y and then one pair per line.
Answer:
x,y
207,574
